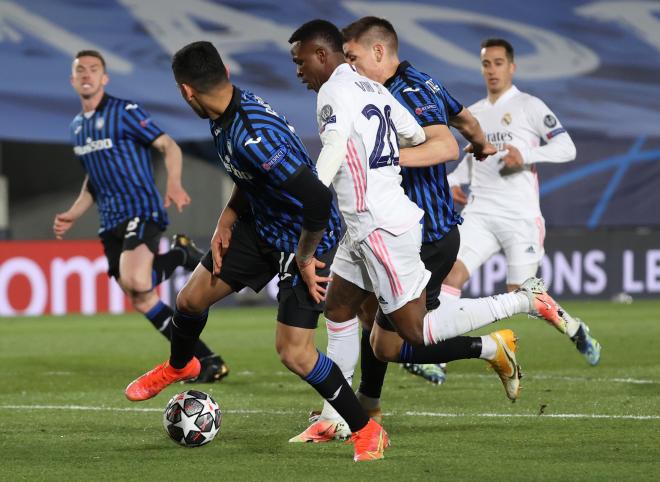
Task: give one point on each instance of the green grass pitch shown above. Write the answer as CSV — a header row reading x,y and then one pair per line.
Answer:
x,y
63,415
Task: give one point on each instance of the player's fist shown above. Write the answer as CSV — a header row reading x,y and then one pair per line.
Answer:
x,y
480,152
459,195
62,223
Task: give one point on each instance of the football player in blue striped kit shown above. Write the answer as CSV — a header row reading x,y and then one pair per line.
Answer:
x,y
280,220
112,138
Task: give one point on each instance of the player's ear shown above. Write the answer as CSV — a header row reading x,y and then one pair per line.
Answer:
x,y
513,68
321,54
105,79
186,91
379,52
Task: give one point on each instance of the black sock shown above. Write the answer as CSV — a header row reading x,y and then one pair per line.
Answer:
x,y
165,264
186,329
161,316
202,351
373,370
459,348
327,379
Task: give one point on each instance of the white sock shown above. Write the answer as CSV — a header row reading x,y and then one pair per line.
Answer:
x,y
449,294
572,325
466,314
488,348
344,350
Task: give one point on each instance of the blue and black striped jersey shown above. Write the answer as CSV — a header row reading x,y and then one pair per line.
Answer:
x,y
430,103
260,151
113,145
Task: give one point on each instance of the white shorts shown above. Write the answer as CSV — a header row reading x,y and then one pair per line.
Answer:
x,y
387,265
521,239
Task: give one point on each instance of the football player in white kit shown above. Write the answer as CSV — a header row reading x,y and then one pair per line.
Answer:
x,y
503,211
358,122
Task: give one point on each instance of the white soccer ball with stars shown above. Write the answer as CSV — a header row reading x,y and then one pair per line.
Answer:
x,y
192,418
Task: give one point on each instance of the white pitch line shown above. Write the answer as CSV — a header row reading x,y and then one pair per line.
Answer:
x,y
292,412
542,376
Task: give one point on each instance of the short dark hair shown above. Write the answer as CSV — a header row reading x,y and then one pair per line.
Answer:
x,y
91,53
499,42
382,27
319,29
200,66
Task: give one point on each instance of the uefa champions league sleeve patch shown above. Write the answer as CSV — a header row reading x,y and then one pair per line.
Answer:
x,y
550,121
277,157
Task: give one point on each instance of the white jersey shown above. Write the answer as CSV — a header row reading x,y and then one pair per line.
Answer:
x,y
522,120
368,183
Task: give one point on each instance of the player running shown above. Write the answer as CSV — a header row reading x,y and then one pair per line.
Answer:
x,y
359,121
503,211
112,138
279,220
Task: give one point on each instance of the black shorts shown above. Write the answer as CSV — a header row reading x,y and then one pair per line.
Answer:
x,y
438,257
253,263
129,235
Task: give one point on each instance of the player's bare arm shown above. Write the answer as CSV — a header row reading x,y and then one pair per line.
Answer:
x,y
64,221
469,127
175,193
440,146
222,235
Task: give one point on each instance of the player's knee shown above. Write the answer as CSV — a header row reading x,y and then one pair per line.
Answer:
x,y
338,313
187,302
295,359
134,284
384,351
412,333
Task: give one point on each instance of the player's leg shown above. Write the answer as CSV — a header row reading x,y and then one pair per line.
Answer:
x,y
477,244
136,268
523,246
183,252
297,319
243,265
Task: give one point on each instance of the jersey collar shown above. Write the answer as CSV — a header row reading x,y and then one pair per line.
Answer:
x,y
399,71
227,116
513,90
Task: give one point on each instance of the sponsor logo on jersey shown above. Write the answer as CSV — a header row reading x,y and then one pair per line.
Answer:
x,y
556,132
276,158
550,121
506,119
92,145
233,171
425,108
100,122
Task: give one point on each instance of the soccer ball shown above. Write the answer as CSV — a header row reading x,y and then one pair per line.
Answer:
x,y
192,418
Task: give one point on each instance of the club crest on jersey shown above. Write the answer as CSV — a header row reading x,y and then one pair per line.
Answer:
x,y
100,122
550,121
506,119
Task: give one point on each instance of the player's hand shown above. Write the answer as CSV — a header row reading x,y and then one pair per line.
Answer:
x,y
62,223
479,152
315,284
513,159
176,194
219,246
459,195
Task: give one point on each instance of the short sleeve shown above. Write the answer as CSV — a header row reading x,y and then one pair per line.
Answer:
x,y
271,153
139,126
453,106
332,113
542,119
424,103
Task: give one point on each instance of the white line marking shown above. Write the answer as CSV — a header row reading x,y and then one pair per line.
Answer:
x,y
546,376
293,412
